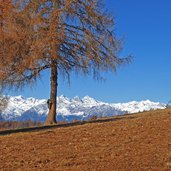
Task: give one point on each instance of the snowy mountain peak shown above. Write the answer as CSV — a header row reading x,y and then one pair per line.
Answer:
x,y
63,99
17,98
77,99
89,100
20,108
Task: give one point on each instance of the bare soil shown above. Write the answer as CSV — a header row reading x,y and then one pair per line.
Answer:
x,y
139,142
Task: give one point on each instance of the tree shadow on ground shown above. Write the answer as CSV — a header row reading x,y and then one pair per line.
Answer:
x,y
63,125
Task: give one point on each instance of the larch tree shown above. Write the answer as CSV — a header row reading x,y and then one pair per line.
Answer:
x,y
63,36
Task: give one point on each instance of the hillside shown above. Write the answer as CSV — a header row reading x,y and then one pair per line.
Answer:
x,y
129,143
22,109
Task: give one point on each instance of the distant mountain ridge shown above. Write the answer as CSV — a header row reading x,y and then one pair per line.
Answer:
x,y
20,108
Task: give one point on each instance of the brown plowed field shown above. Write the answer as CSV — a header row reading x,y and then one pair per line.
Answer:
x,y
139,142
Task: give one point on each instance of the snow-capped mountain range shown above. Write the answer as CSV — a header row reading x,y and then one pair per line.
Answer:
x,y
20,108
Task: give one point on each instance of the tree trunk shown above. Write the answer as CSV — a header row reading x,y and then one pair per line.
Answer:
x,y
51,119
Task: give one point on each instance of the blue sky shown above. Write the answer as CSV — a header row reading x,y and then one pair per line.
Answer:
x,y
146,28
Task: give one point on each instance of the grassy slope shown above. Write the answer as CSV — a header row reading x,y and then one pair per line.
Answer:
x,y
134,142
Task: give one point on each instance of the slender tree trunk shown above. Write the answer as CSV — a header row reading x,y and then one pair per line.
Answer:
x,y
51,119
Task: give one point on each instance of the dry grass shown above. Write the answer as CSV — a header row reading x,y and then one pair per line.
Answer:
x,y
130,143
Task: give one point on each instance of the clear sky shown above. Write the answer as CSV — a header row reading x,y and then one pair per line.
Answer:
x,y
146,28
